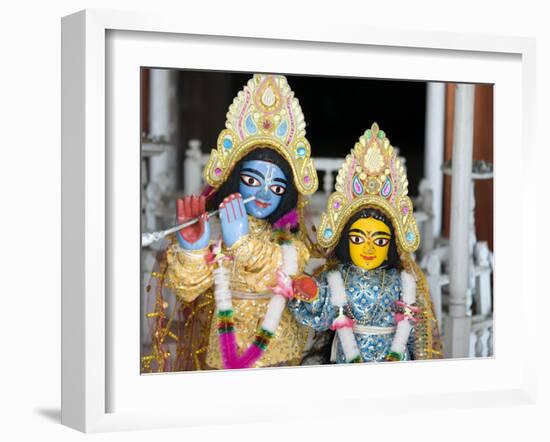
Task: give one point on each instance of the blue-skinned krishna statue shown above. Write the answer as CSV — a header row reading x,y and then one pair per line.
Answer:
x,y
228,277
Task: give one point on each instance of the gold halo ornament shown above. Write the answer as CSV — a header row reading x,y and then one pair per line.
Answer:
x,y
264,114
371,176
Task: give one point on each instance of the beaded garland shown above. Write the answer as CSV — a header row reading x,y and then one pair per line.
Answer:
x,y
228,343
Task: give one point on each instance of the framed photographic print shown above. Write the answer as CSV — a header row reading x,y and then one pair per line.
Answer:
x,y
248,216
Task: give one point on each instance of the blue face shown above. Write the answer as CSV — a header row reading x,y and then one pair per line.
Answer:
x,y
267,182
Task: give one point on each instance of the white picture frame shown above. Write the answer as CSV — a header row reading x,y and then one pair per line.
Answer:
x,y
99,386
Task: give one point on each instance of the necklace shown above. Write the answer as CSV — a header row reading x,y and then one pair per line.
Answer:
x,y
375,306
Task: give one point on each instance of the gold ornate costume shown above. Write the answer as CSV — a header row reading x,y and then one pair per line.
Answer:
x,y
264,115
257,256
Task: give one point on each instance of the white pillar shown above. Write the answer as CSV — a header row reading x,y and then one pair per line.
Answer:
x,y
433,277
192,168
434,148
163,119
457,330
162,123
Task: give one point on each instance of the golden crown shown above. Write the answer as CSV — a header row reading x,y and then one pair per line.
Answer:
x,y
264,114
371,176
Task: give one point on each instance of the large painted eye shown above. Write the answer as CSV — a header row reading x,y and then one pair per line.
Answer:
x,y
381,242
356,239
250,180
278,190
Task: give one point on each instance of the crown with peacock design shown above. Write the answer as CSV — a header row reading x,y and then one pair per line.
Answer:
x,y
264,114
371,176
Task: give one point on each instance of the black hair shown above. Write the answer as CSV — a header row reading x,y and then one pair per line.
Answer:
x,y
231,185
341,251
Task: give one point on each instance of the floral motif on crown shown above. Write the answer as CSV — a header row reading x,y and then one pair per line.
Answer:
x,y
371,176
264,114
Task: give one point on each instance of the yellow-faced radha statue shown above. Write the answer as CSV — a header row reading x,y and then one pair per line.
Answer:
x,y
373,294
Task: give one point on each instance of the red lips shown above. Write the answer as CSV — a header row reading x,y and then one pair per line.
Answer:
x,y
262,204
368,258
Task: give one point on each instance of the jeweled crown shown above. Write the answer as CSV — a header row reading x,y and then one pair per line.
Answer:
x,y
264,114
371,176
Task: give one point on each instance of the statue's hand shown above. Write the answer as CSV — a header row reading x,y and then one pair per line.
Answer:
x,y
196,236
305,288
234,221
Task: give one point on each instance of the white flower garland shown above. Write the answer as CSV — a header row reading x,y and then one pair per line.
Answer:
x,y
408,295
344,328
272,317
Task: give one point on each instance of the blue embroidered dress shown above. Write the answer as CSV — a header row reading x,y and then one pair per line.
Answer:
x,y
371,298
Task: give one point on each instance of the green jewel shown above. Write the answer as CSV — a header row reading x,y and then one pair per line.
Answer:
x,y
225,313
381,134
224,330
395,356
266,333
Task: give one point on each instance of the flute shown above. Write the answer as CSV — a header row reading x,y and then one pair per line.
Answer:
x,y
149,238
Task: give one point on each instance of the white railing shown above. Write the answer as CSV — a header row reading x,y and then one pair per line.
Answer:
x,y
481,336
479,297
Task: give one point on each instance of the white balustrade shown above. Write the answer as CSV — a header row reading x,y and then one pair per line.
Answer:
x,y
328,166
481,336
436,282
482,273
424,214
481,332
192,168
